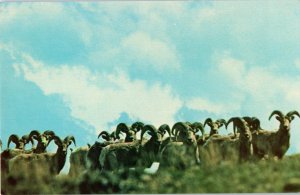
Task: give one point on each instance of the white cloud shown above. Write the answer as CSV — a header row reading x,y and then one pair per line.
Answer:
x,y
202,104
232,68
143,49
98,99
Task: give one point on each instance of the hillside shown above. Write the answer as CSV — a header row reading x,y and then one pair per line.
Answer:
x,y
264,176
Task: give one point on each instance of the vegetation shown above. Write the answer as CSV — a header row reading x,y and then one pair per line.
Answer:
x,y
263,176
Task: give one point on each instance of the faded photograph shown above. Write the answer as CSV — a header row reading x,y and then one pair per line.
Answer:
x,y
149,97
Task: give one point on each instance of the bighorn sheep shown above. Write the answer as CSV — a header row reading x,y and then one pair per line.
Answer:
x,y
106,136
43,140
165,128
52,163
150,150
78,161
20,142
214,125
114,156
218,148
253,123
129,154
8,154
130,132
96,149
186,144
274,143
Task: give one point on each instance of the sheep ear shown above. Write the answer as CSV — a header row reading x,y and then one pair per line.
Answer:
x,y
292,118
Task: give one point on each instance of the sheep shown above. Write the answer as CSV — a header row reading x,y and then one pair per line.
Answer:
x,y
165,128
20,142
214,125
106,136
96,149
115,156
219,148
130,132
149,151
253,123
43,140
8,154
270,144
86,158
51,163
186,144
78,161
137,126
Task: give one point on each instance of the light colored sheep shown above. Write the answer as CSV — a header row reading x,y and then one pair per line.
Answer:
x,y
268,144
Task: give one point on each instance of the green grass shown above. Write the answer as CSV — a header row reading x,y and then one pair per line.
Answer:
x,y
264,176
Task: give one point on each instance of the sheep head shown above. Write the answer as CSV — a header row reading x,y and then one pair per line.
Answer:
x,y
243,128
184,133
245,137
285,120
137,126
164,128
15,139
253,123
64,144
214,125
25,139
43,139
130,134
105,135
153,132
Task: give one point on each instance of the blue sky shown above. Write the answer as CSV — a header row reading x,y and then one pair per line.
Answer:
x,y
80,68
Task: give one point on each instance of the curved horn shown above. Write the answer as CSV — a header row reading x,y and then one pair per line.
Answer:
x,y
222,121
137,126
179,126
165,128
35,133
105,135
49,133
26,139
197,126
15,139
248,119
122,127
57,140
237,122
69,139
291,113
113,135
150,128
208,121
256,123
279,113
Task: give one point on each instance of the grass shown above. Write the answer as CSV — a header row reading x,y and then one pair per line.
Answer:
x,y
263,176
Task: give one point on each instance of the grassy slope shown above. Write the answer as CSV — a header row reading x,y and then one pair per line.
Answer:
x,y
263,176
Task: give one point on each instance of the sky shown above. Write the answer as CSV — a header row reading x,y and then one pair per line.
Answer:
x,y
79,68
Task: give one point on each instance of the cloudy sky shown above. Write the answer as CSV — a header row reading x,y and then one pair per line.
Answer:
x,y
80,68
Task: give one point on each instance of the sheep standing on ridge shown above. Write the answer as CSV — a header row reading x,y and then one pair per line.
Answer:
x,y
51,163
43,140
220,148
186,145
8,154
214,125
78,161
274,143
